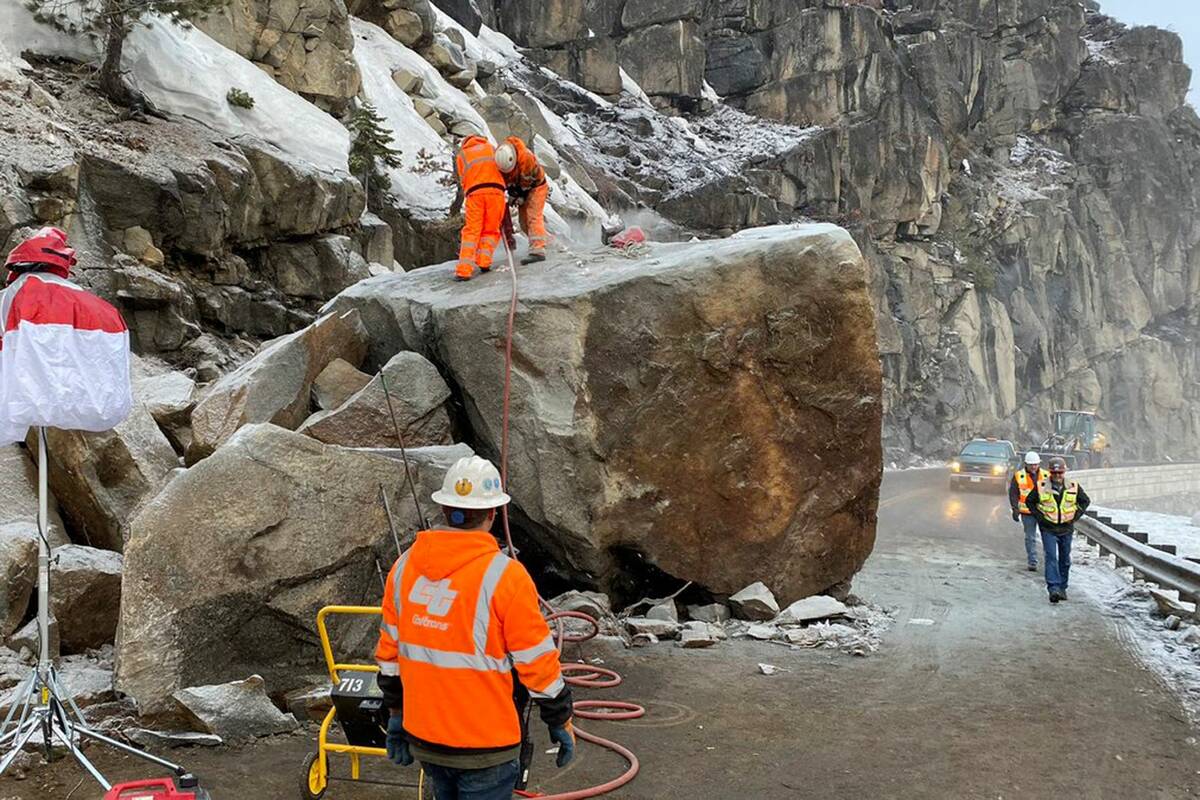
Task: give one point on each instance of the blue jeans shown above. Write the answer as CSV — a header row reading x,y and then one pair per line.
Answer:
x,y
1029,523
493,783
1057,549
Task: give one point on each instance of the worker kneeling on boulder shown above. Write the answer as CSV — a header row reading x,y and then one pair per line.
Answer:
x,y
463,646
527,188
1057,503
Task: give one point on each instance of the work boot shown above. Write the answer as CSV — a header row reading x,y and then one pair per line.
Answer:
x,y
1033,567
1055,597
1062,595
533,258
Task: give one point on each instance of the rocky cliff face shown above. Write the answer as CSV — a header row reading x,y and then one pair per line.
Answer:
x,y
1021,175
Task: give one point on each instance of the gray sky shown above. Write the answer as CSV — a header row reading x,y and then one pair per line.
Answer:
x,y
1181,16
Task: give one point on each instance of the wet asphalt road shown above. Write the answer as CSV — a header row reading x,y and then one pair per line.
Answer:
x,y
1003,696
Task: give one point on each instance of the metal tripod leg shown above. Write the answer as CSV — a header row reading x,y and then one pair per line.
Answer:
x,y
68,740
31,727
46,706
130,750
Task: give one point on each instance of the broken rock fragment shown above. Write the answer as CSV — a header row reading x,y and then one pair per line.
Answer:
x,y
810,609
235,711
755,603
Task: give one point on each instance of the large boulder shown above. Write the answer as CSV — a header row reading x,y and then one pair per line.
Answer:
x,y
410,22
688,405
102,478
275,385
305,45
337,383
214,596
418,397
18,573
19,497
86,599
169,396
666,60
316,268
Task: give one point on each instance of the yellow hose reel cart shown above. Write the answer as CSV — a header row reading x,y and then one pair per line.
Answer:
x,y
359,712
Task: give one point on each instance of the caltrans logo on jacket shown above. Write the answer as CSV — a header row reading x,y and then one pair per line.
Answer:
x,y
436,597
460,619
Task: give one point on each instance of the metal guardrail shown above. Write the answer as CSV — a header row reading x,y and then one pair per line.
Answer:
x,y
1150,562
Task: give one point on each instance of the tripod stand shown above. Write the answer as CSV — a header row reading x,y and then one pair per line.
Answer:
x,y
41,708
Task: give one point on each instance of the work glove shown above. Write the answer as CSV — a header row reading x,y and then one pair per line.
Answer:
x,y
1016,516
564,735
397,743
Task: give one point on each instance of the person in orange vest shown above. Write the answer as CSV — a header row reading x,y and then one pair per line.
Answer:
x,y
1022,483
528,188
1057,503
481,189
464,646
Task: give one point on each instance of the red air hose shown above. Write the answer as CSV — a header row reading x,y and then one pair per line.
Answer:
x,y
584,676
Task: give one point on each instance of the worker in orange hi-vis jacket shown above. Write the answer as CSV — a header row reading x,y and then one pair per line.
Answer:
x,y
527,186
481,189
464,646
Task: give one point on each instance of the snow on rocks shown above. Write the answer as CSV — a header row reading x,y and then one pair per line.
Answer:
x,y
164,59
422,183
1173,654
1181,531
755,602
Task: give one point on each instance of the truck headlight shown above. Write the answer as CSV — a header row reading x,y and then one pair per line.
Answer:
x,y
955,466
997,469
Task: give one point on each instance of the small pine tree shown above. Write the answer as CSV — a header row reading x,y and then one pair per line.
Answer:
x,y
371,147
111,21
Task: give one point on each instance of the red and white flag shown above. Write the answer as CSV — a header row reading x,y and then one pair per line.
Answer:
x,y
64,358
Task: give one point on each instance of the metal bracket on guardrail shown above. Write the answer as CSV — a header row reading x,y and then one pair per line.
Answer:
x,y
1152,563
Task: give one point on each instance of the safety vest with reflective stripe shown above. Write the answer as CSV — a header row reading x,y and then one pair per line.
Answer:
x,y
460,622
1025,483
476,164
1056,511
528,173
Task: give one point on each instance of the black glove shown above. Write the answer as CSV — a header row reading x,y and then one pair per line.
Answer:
x,y
397,742
565,737
1016,515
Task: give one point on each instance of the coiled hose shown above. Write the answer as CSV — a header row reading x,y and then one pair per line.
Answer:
x,y
583,676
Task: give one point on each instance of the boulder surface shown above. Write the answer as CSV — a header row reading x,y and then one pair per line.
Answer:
x,y
212,597
276,384
689,405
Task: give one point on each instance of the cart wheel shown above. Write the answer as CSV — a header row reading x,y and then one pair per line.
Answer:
x,y
312,785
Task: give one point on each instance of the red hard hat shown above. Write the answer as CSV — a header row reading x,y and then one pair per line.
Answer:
x,y
48,246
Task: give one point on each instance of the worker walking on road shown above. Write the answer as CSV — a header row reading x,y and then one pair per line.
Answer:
x,y
463,647
1022,483
528,189
1057,503
481,188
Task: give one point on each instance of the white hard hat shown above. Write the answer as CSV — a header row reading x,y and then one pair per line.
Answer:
x,y
506,157
471,483
1032,457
